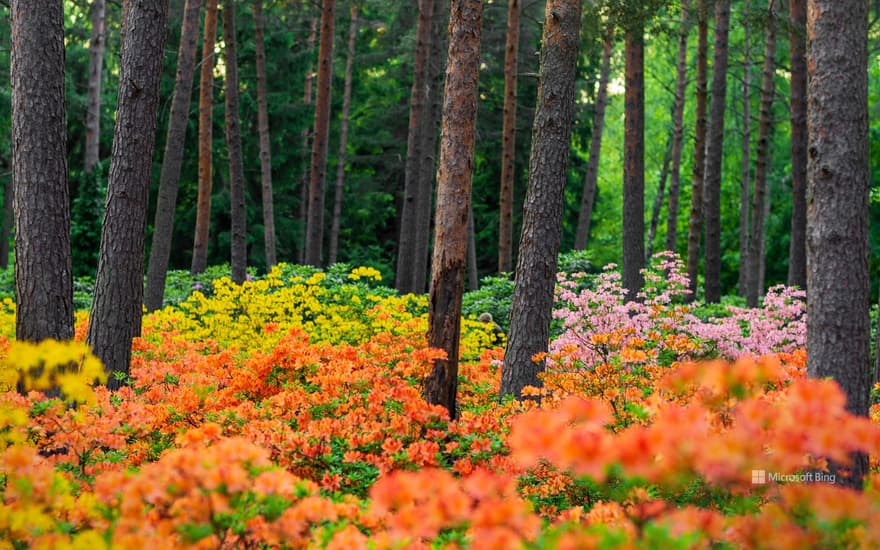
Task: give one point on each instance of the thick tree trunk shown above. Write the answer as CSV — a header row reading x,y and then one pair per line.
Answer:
x,y
206,141
714,153
745,183
634,163
677,130
797,257
43,274
695,219
431,118
838,328
315,226
7,223
762,162
233,144
508,140
532,303
454,177
265,140
119,285
343,135
406,248
166,202
306,140
97,43
588,196
658,200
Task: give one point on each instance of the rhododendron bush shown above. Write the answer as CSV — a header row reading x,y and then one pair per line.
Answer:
x,y
287,413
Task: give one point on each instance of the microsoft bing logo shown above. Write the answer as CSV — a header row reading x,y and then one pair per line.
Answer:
x,y
759,477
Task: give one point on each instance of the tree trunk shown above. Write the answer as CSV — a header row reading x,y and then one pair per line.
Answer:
x,y
762,255
454,177
43,272
166,202
93,110
532,302
405,277
588,196
306,140
265,140
315,227
343,135
7,224
119,285
797,257
745,184
714,153
634,163
431,117
658,200
508,140
206,141
762,163
472,270
233,144
838,328
677,131
695,220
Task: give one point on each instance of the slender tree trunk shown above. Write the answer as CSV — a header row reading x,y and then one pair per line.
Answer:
x,y
634,163
838,328
472,270
405,279
206,141
695,220
678,130
265,140
166,202
508,140
315,227
96,63
454,177
119,286
658,200
797,257
343,135
306,140
588,195
7,223
431,118
714,152
745,184
532,302
233,144
762,162
43,273
762,263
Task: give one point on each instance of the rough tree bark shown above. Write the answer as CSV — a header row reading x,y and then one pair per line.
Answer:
x,y
634,163
797,256
677,130
838,328
415,140
343,135
532,302
233,144
306,139
714,153
265,140
454,177
745,184
695,219
119,286
166,201
508,140
43,275
588,196
315,226
762,163
96,63
206,140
